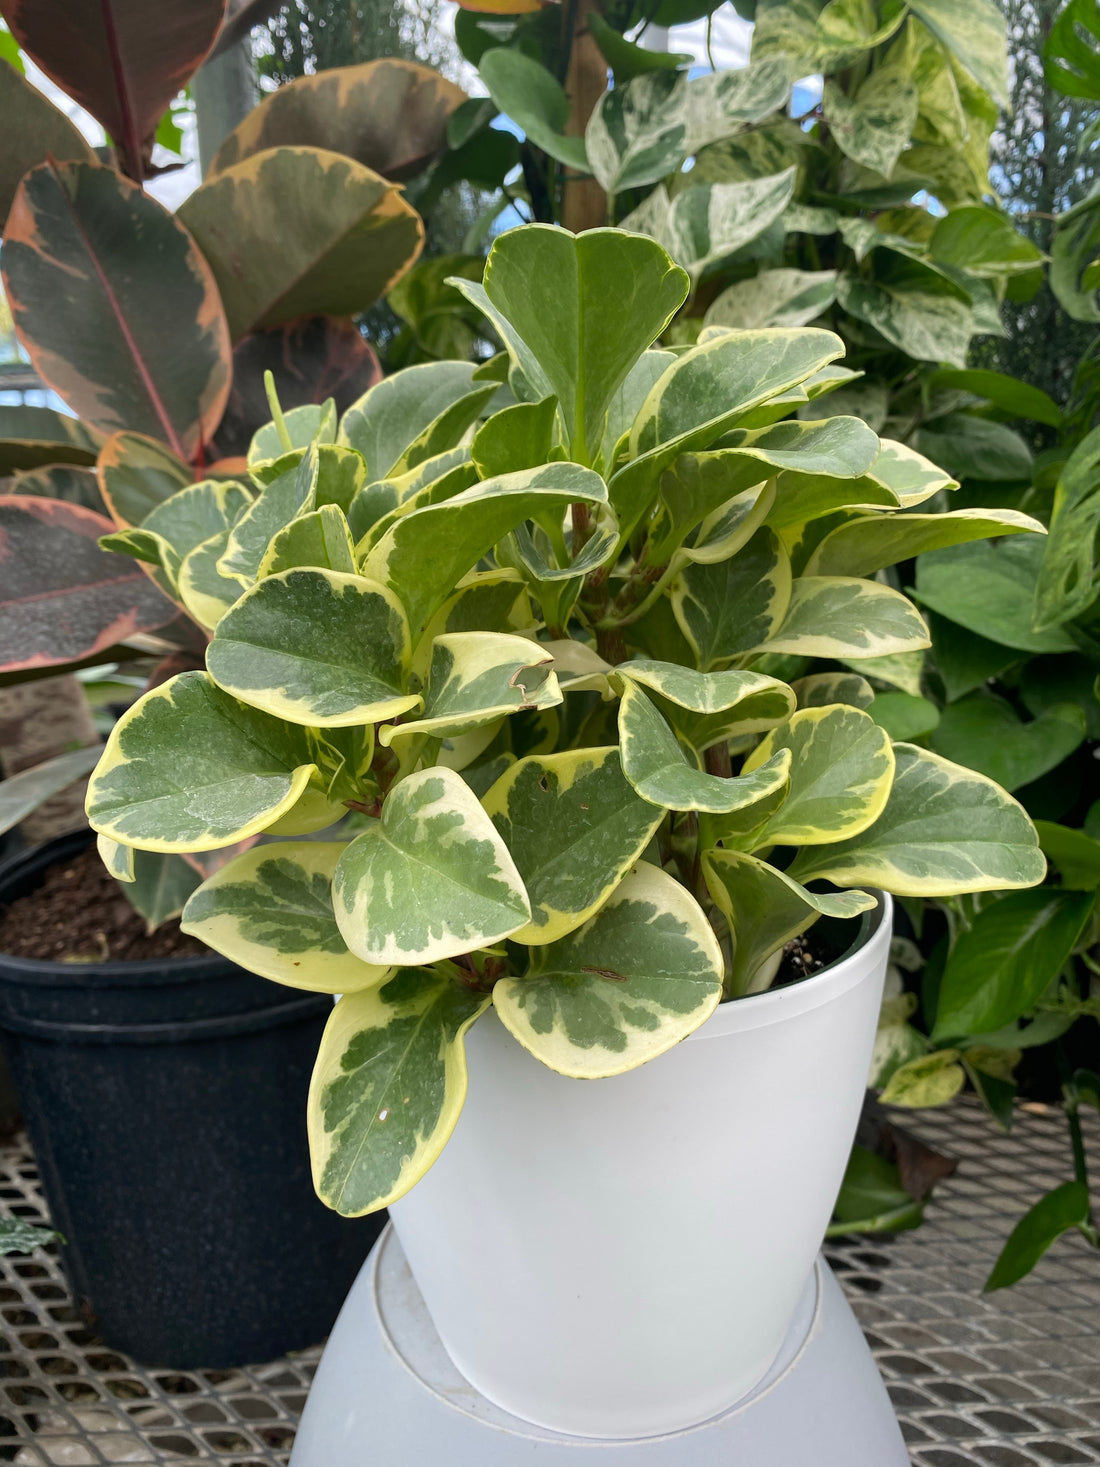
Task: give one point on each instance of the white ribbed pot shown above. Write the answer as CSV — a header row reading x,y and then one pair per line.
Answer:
x,y
622,1258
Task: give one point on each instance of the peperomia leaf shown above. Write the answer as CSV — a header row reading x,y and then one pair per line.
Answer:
x,y
424,554
845,617
870,542
659,770
388,1087
841,770
188,768
320,539
944,829
270,910
181,523
702,395
574,826
599,300
315,647
430,879
765,908
636,979
478,678
708,708
204,591
403,409
291,492
732,606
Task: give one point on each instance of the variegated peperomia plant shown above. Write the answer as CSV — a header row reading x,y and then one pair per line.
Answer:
x,y
524,622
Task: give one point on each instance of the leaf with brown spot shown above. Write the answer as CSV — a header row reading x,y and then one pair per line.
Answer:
x,y
62,598
300,231
135,474
33,436
122,60
389,115
32,129
311,359
115,306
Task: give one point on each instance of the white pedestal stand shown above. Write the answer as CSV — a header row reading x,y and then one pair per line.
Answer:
x,y
388,1395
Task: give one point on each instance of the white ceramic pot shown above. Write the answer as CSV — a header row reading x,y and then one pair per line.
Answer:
x,y
620,1258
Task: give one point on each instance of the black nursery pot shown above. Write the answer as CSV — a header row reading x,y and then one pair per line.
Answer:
x,y
166,1104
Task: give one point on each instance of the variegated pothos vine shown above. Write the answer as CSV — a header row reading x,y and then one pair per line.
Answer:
x,y
523,622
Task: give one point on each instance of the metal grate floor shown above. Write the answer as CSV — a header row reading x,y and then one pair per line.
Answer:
x,y
1012,1380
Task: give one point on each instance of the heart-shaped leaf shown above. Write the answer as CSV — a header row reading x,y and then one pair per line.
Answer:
x,y
987,733
397,411
708,708
535,100
426,553
270,910
944,830
731,606
870,542
431,879
574,826
320,539
990,590
388,1087
315,647
765,908
841,771
131,338
188,768
774,298
638,978
600,299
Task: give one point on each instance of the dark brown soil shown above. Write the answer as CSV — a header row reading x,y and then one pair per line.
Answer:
x,y
79,914
800,960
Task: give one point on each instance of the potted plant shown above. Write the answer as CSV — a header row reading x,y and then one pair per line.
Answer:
x,y
538,662
161,1085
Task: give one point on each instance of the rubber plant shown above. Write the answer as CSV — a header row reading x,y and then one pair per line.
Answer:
x,y
155,328
536,662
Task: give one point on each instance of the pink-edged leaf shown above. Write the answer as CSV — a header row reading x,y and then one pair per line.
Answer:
x,y
115,305
62,598
122,60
